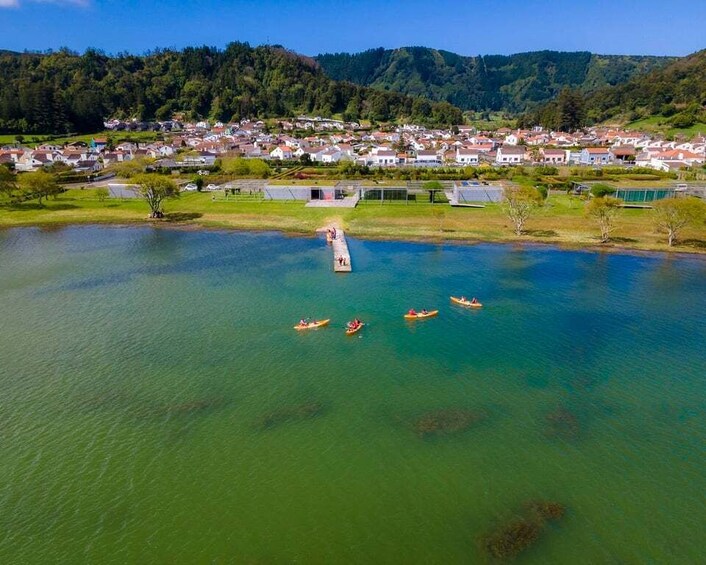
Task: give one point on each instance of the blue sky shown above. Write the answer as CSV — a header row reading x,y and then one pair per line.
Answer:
x,y
469,27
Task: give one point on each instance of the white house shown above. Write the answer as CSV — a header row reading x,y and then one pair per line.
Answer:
x,y
595,156
427,157
282,153
383,158
466,156
510,155
330,155
554,156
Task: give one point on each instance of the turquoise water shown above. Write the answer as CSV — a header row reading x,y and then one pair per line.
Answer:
x,y
157,407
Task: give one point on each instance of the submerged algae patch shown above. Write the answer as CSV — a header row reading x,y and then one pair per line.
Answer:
x,y
446,421
522,531
289,414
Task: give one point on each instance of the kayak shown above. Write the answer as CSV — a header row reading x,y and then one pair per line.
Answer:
x,y
312,325
467,303
351,331
419,315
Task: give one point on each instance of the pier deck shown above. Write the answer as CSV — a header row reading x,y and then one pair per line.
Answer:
x,y
340,249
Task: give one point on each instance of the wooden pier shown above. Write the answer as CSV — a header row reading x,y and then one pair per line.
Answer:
x,y
340,249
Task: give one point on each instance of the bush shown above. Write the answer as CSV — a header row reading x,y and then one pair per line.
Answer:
x,y
599,190
683,120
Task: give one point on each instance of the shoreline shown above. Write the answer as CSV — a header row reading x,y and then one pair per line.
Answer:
x,y
351,232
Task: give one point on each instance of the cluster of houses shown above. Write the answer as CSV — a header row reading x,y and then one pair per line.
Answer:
x,y
327,141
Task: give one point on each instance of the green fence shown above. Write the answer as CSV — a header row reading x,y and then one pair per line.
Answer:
x,y
643,194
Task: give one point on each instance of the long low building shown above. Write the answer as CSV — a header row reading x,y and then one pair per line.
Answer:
x,y
475,191
301,192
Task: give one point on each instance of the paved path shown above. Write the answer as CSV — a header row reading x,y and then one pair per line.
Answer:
x,y
340,249
347,202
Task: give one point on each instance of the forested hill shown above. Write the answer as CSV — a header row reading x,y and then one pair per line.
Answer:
x,y
496,82
676,94
63,91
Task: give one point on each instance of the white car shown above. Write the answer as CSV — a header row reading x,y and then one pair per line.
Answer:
x,y
212,187
191,187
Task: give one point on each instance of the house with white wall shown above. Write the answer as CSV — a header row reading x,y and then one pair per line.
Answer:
x,y
510,155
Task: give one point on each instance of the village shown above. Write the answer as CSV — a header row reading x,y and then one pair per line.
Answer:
x,y
328,142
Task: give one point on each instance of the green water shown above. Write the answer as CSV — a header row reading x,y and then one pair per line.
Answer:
x,y
137,365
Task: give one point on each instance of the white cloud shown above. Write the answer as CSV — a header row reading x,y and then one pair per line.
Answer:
x,y
16,3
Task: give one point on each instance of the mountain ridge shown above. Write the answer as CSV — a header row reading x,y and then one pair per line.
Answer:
x,y
512,83
62,91
675,94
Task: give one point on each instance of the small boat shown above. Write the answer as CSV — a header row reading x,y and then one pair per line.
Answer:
x,y
466,303
351,331
312,325
420,315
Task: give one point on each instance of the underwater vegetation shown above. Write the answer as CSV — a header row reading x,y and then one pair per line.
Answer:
x,y
288,414
523,530
562,424
189,407
446,421
140,408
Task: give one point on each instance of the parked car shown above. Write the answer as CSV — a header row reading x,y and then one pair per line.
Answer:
x,y
191,187
212,187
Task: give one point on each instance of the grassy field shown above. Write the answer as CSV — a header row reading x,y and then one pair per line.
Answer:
x,y
561,221
33,139
662,125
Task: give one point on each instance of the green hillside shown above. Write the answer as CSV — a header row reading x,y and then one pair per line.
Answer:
x,y
511,83
67,92
670,99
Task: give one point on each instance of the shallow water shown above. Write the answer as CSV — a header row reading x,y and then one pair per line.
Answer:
x,y
157,407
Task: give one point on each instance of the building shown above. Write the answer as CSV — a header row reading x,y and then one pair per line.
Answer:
x,y
427,157
510,155
466,156
553,156
595,156
283,153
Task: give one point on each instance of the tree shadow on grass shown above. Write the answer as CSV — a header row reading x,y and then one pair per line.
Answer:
x,y
50,206
542,233
693,243
178,217
623,240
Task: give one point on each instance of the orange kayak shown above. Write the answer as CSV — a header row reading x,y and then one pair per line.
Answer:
x,y
312,325
420,316
466,303
351,331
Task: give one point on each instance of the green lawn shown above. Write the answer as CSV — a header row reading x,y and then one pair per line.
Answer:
x,y
33,139
560,221
661,124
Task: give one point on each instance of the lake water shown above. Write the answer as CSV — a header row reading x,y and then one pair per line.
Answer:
x,y
156,405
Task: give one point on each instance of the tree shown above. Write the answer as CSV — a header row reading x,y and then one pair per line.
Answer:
x,y
154,189
520,202
439,215
128,169
259,168
39,185
674,214
570,110
198,181
433,186
600,190
305,159
235,166
8,181
102,193
604,209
